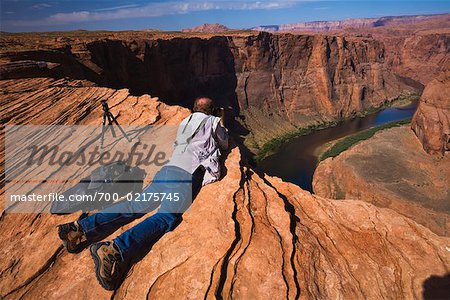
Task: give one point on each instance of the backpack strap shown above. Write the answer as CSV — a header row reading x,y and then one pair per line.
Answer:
x,y
190,117
199,127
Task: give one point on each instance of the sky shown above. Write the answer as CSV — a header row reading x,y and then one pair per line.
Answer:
x,y
55,15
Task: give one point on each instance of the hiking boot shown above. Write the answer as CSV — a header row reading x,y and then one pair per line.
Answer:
x,y
72,236
108,264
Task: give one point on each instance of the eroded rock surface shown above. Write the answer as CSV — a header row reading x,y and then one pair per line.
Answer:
x,y
246,236
431,122
418,54
417,47
365,23
273,80
310,78
391,170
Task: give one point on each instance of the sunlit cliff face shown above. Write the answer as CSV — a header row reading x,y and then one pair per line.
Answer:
x,y
272,81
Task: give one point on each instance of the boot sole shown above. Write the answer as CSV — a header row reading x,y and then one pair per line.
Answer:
x,y
93,249
67,246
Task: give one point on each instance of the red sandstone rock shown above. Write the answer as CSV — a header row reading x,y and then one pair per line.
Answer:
x,y
431,122
284,80
419,51
246,236
327,26
419,54
309,79
391,170
21,69
312,76
416,47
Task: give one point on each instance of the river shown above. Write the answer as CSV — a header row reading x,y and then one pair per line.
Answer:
x,y
296,160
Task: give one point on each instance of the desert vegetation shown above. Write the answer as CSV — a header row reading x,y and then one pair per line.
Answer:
x,y
348,141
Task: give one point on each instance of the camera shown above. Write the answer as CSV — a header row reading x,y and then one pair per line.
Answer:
x,y
217,111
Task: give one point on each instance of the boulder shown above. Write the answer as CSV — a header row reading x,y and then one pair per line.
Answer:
x,y
431,122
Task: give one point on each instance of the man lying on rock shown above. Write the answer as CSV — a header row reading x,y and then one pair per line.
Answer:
x,y
195,158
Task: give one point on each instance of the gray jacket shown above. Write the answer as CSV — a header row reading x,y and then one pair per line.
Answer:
x,y
200,138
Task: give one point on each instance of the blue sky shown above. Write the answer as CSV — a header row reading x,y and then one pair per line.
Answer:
x,y
26,15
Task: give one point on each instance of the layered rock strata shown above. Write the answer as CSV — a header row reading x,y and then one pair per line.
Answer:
x,y
391,170
327,26
431,122
299,79
257,238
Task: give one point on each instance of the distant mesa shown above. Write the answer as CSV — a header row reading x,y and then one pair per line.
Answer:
x,y
151,30
326,26
267,28
207,28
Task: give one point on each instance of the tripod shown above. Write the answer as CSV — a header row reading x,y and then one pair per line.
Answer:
x,y
111,121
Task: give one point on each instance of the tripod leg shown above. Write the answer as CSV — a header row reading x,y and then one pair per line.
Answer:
x,y
110,122
103,129
120,128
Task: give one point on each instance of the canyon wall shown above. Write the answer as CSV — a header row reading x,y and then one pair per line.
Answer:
x,y
258,237
365,23
418,50
312,76
298,77
271,80
431,122
417,47
309,79
177,70
420,55
391,170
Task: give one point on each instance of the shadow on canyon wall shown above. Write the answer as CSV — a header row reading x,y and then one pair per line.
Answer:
x,y
270,84
177,70
67,66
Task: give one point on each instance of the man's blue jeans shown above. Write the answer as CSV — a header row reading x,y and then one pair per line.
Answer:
x,y
169,179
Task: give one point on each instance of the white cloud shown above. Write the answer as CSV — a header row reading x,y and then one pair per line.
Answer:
x,y
321,8
41,5
154,9
116,7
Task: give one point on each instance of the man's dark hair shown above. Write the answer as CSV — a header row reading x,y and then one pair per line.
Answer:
x,y
204,105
